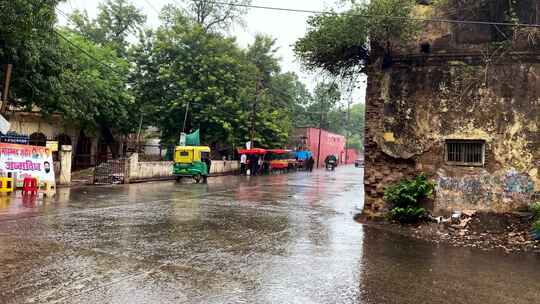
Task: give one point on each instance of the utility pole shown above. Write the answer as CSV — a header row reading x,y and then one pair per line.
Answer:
x,y
185,118
182,141
7,73
320,132
347,128
137,143
254,113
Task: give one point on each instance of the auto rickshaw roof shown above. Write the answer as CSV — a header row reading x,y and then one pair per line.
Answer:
x,y
256,151
194,148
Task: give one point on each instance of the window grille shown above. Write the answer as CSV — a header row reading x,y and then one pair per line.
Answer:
x,y
465,152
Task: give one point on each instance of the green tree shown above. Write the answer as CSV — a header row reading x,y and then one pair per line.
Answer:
x,y
182,66
109,31
356,127
116,20
93,95
228,91
279,97
262,54
339,43
325,107
63,72
213,16
27,41
289,87
389,22
263,107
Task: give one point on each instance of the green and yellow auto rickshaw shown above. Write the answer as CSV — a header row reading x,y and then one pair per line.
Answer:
x,y
191,161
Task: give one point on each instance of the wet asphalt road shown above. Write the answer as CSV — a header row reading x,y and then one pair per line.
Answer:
x,y
277,239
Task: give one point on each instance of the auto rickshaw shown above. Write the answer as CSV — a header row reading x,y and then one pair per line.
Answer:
x,y
191,161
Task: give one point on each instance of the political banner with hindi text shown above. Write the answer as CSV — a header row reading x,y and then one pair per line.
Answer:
x,y
26,161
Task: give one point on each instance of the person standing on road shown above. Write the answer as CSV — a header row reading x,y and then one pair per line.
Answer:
x,y
243,163
310,162
253,164
208,163
206,159
260,167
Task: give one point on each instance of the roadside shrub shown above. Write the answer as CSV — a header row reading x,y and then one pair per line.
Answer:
x,y
535,208
405,197
407,215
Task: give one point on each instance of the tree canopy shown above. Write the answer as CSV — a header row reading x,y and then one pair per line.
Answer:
x,y
213,16
228,91
27,41
342,44
94,75
116,20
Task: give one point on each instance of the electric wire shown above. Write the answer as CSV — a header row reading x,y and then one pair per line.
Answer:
x,y
293,10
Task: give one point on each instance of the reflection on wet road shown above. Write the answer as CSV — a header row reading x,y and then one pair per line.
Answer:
x,y
277,239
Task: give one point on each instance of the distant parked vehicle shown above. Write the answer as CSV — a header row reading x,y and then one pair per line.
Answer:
x,y
359,163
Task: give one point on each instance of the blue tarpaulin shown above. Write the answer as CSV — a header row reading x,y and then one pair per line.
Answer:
x,y
302,155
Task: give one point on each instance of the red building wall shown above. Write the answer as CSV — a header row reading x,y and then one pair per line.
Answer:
x,y
330,144
352,155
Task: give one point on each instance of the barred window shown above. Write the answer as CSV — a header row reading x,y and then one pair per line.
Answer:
x,y
465,152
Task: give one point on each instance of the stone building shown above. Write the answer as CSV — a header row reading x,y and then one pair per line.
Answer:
x,y
461,104
88,147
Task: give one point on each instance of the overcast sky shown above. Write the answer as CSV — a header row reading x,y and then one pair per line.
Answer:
x,y
286,27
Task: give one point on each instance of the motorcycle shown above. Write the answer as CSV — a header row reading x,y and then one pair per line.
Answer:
x,y
331,165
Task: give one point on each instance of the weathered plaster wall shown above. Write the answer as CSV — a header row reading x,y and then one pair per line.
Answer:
x,y
465,87
415,106
28,123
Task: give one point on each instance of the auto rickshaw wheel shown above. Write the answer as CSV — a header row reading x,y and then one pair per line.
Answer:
x,y
197,178
178,179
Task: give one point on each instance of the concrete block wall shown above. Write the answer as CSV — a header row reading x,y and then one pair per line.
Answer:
x,y
139,171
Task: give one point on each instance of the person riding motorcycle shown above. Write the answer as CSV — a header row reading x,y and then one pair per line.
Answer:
x,y
331,162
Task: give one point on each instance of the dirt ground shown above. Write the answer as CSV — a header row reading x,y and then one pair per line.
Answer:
x,y
487,231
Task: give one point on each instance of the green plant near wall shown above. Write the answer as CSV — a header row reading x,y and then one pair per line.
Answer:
x,y
406,196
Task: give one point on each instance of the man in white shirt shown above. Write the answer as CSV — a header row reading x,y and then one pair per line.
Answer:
x,y
243,164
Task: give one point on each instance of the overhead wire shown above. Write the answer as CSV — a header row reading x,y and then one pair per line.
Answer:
x,y
294,10
152,6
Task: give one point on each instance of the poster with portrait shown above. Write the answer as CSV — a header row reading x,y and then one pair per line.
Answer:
x,y
25,160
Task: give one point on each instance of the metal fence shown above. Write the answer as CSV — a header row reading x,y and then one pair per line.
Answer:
x,y
111,171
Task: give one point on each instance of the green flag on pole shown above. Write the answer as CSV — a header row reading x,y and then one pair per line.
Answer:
x,y
193,139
